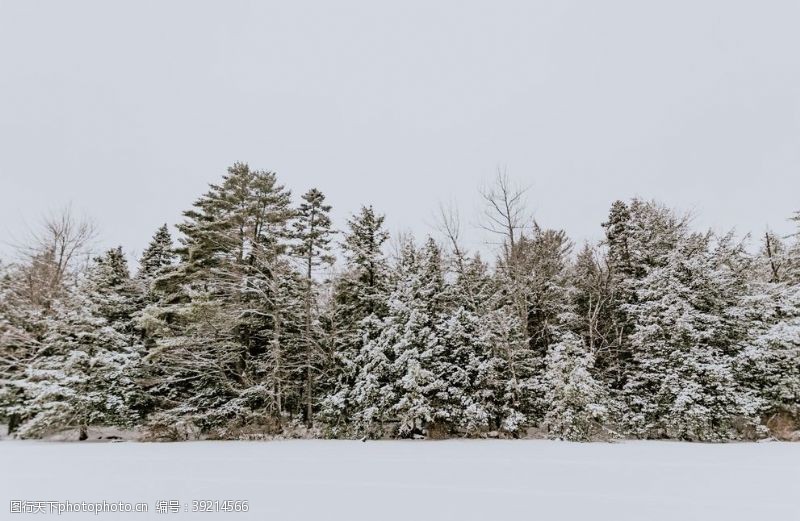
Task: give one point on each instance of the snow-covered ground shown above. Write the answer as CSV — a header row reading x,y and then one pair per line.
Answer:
x,y
421,480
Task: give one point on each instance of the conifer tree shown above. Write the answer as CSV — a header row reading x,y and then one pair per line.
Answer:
x,y
419,382
29,291
544,259
682,383
81,377
466,402
638,237
219,321
577,402
396,380
313,233
157,258
511,373
22,328
483,345
768,362
358,301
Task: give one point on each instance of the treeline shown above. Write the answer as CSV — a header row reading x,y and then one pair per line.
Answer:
x,y
248,326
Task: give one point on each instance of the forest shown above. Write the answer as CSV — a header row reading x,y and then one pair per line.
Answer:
x,y
258,319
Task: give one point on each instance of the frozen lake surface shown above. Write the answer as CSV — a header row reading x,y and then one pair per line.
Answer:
x,y
419,480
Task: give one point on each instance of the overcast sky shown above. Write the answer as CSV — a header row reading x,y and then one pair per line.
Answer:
x,y
128,110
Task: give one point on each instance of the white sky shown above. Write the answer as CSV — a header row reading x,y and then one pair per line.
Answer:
x,y
128,110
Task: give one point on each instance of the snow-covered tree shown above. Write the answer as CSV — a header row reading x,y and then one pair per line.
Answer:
x,y
358,302
220,323
45,269
23,325
81,375
491,363
467,402
769,362
312,230
681,382
594,316
157,259
397,380
578,404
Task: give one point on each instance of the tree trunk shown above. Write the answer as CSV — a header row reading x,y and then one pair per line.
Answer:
x,y
309,384
309,405
277,348
775,275
13,423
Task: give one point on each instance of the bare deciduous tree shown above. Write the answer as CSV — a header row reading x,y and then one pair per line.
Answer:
x,y
52,252
505,213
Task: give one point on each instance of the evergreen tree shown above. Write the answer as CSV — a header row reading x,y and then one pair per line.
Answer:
x,y
81,377
768,362
577,402
466,402
638,237
539,292
419,384
157,258
396,381
220,317
682,383
313,233
544,259
511,373
22,329
358,301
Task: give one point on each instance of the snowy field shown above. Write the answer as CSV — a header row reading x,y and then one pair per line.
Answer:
x,y
427,480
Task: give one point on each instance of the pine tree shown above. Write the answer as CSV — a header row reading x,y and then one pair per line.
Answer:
x,y
768,364
638,237
545,268
577,402
538,293
358,301
29,291
511,373
82,376
157,258
22,328
419,384
682,383
396,380
463,358
619,239
115,296
313,233
768,361
220,323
